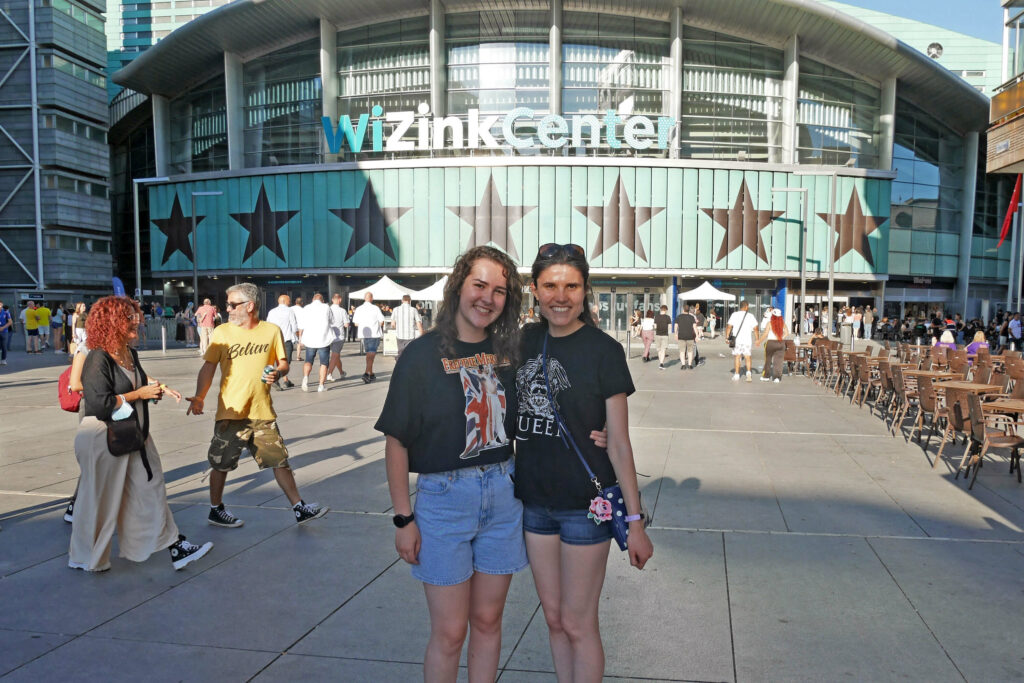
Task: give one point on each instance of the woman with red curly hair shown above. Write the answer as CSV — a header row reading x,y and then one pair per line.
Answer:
x,y
120,493
775,350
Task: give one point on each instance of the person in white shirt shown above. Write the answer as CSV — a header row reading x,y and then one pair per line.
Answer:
x,y
407,323
316,335
339,325
297,310
368,319
284,317
741,324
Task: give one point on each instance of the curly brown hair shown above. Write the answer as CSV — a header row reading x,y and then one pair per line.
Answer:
x,y
504,332
110,321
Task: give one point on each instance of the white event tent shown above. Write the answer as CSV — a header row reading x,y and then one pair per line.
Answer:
x,y
434,292
706,292
384,289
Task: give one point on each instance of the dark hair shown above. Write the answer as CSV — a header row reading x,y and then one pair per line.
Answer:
x,y
504,332
565,257
650,313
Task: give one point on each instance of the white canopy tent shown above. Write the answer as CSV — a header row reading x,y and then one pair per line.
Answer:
x,y
384,289
434,292
706,292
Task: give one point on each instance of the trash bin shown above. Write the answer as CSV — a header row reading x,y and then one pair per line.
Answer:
x,y
845,334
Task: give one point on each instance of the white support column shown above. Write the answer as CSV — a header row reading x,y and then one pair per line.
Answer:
x,y
887,125
963,269
161,134
438,60
676,82
329,79
235,114
36,186
790,97
555,59
1005,74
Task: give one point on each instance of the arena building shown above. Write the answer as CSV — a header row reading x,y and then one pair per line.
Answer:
x,y
320,144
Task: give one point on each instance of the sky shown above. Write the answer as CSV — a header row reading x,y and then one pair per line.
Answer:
x,y
978,18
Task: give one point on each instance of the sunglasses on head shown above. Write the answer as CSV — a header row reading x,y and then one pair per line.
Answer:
x,y
551,250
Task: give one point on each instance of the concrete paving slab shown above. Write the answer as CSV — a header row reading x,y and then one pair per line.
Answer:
x,y
683,585
322,564
796,598
20,647
291,667
969,595
101,659
33,532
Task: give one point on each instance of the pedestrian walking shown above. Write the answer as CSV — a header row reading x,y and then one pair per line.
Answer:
x,y
369,321
283,316
647,330
31,324
407,323
205,322
740,329
6,327
686,334
339,325
316,335
662,324
251,356
775,348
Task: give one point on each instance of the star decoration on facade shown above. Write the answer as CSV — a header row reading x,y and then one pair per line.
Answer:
x,y
177,228
263,224
743,224
369,223
853,228
491,220
618,220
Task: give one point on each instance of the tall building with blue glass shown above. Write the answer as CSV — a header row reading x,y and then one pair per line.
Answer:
x,y
676,142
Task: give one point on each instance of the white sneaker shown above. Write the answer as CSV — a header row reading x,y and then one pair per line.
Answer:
x,y
329,379
736,377
776,380
749,377
305,384
321,388
765,379
3,362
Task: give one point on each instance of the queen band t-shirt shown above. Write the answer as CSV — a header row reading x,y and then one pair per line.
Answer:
x,y
450,410
242,354
585,369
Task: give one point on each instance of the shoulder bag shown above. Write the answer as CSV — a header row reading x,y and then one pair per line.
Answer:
x,y
732,333
608,505
127,435
69,400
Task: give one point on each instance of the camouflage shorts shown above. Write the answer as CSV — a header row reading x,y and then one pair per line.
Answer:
x,y
259,436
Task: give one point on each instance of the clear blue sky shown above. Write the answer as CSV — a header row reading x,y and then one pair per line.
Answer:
x,y
978,18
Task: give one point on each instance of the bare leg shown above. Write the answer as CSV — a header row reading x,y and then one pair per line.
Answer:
x,y
306,368
449,618
335,364
546,566
323,373
286,480
369,362
487,603
217,480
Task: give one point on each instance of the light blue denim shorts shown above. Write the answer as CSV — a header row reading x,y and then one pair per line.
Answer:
x,y
573,527
469,521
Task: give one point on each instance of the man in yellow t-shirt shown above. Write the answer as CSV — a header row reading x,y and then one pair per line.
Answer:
x,y
43,320
31,328
245,412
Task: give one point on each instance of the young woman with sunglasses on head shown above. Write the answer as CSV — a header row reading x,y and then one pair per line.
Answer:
x,y
584,372
464,539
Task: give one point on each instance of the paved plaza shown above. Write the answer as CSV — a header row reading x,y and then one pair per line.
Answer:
x,y
794,540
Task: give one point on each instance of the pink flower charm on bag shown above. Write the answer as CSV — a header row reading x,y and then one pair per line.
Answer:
x,y
600,510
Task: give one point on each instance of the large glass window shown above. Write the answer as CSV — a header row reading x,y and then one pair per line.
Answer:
x,y
199,134
498,61
837,118
732,98
384,64
614,62
283,107
928,160
991,199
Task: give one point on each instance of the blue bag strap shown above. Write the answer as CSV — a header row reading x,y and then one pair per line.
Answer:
x,y
562,428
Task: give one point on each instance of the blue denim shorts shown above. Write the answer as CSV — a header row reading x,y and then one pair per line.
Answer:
x,y
371,344
469,521
324,354
572,526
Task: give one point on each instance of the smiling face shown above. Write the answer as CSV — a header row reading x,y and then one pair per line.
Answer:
x,y
481,299
560,291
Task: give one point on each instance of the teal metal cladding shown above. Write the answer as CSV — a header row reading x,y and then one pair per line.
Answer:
x,y
636,218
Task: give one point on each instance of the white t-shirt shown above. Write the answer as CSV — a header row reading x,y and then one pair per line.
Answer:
x,y
339,321
742,327
284,317
368,318
647,324
315,324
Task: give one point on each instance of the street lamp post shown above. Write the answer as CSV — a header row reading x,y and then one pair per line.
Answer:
x,y
195,246
803,247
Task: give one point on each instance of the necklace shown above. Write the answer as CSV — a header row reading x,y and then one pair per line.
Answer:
x,y
124,359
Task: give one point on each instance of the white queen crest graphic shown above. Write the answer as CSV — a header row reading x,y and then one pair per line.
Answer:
x,y
535,413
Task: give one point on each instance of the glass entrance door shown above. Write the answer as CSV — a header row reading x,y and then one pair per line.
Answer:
x,y
604,311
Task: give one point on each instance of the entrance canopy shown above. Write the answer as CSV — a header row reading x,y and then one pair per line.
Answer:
x,y
384,289
434,292
706,292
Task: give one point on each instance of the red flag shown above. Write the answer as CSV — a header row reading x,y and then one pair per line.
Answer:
x,y
1014,203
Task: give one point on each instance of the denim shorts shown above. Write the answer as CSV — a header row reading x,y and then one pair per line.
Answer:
x,y
371,344
572,526
324,354
469,521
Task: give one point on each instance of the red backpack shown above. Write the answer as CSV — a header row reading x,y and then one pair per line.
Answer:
x,y
69,400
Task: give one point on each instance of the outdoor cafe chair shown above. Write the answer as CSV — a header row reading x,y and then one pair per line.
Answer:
x,y
886,392
931,406
982,374
989,431
907,398
955,423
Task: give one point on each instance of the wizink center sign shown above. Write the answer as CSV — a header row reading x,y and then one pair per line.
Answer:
x,y
408,131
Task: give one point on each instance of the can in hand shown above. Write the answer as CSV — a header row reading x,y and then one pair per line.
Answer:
x,y
266,373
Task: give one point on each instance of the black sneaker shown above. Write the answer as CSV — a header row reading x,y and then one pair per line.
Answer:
x,y
366,378
306,511
373,377
69,512
221,517
183,552
288,384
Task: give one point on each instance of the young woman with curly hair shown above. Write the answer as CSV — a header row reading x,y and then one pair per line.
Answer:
x,y
123,493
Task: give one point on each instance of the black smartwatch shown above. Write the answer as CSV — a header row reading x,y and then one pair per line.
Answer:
x,y
402,520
